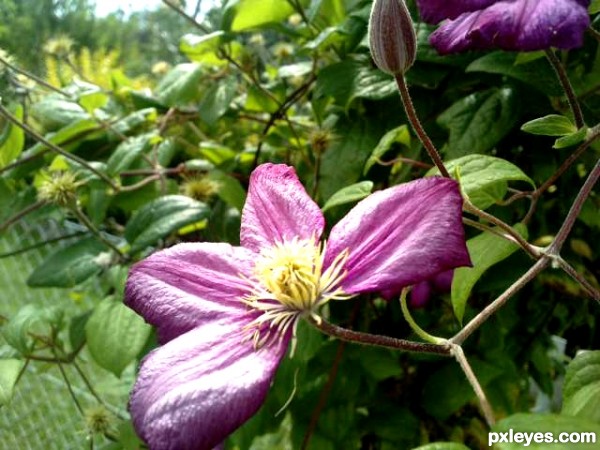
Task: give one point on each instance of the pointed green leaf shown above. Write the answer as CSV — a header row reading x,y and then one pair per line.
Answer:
x,y
581,391
230,189
216,100
203,49
255,13
349,194
571,139
127,152
31,318
9,375
486,250
12,139
477,122
71,265
552,125
180,85
399,135
115,335
161,217
484,178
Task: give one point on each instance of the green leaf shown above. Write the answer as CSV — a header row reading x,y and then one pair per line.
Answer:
x,y
258,100
180,85
115,335
542,424
127,152
71,265
9,375
56,112
399,135
484,178
295,70
447,389
486,250
12,139
552,125
344,161
31,318
442,446
477,122
216,100
215,153
571,139
132,121
230,189
348,80
91,101
255,13
203,49
537,73
581,391
349,194
161,217
594,7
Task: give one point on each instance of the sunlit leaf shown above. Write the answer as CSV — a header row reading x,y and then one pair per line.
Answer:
x,y
115,335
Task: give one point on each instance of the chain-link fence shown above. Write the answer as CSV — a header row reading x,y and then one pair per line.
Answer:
x,y
43,414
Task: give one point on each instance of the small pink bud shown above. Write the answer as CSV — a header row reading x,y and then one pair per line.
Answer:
x,y
392,36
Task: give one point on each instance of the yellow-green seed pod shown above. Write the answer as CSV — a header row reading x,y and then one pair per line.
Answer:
x,y
392,36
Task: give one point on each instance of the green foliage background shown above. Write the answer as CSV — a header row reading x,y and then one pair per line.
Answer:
x,y
161,153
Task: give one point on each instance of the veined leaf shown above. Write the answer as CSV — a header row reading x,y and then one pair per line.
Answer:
x,y
162,216
115,335
486,250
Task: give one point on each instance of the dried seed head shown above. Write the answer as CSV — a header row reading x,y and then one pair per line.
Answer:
x,y
392,36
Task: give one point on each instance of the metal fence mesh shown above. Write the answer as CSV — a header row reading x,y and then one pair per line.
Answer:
x,y
42,414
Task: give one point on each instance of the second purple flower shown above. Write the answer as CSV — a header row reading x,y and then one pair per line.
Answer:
x,y
521,25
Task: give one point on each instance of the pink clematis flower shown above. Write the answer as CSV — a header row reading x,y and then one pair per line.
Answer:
x,y
225,315
521,25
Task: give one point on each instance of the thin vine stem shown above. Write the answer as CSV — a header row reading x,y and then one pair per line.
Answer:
x,y
31,132
486,407
375,340
90,226
563,78
413,118
414,325
585,284
575,209
187,17
18,216
491,309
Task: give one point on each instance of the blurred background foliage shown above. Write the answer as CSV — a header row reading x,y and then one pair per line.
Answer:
x,y
142,132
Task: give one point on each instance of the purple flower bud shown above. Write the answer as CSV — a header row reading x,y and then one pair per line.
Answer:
x,y
392,36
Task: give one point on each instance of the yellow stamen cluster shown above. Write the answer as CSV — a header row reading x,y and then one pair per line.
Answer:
x,y
289,282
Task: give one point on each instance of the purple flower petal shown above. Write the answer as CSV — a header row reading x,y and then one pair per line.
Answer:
x,y
419,295
401,236
442,282
194,391
523,25
434,11
278,208
187,285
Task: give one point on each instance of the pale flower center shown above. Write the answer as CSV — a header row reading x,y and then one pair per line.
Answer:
x,y
289,281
